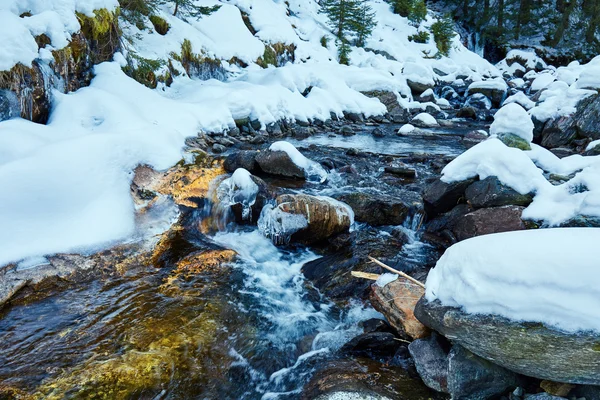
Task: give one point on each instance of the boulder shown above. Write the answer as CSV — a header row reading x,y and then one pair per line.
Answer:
x,y
530,349
373,345
397,301
496,93
467,112
440,196
325,217
418,87
279,163
474,137
489,220
490,192
396,112
593,151
559,132
587,118
515,141
430,356
263,196
382,209
242,159
472,377
478,101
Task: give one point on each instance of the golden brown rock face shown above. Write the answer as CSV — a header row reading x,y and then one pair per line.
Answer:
x,y
397,301
325,217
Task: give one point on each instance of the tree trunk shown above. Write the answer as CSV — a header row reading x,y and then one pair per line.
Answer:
x,y
500,17
176,8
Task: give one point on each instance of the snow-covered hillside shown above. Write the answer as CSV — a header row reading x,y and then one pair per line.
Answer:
x,y
66,184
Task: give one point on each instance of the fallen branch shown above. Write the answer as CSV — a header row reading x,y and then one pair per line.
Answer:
x,y
365,275
395,271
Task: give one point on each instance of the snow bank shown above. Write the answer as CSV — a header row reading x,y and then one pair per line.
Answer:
x,y
544,275
513,119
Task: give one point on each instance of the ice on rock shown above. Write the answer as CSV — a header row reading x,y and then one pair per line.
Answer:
x,y
239,189
542,275
386,278
278,225
513,119
313,171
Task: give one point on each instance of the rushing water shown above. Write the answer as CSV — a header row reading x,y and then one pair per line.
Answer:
x,y
250,329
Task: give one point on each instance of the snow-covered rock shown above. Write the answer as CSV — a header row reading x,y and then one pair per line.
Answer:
x,y
542,81
512,119
424,119
494,89
406,128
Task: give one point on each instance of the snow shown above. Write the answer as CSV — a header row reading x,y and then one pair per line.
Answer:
x,y
542,81
497,84
407,128
311,168
66,184
278,225
589,78
592,145
530,58
521,99
544,275
426,119
513,119
239,189
523,171
386,278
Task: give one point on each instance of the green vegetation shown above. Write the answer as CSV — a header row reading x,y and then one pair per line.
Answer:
x,y
414,10
443,32
324,41
188,8
420,37
144,70
349,19
160,25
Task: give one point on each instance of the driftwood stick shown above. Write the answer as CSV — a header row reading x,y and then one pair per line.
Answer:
x,y
365,275
395,271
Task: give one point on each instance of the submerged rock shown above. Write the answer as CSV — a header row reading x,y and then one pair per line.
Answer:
x,y
530,349
373,345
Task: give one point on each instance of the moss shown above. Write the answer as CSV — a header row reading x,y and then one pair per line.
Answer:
x,y
143,70
42,40
515,141
160,25
277,54
101,24
324,41
596,346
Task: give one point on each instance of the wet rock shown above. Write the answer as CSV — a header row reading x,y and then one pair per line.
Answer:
x,y
559,132
279,163
489,220
397,301
478,101
376,345
543,396
263,196
324,217
218,148
382,209
587,391
242,159
490,192
378,133
467,112
473,138
346,131
340,379
403,172
354,117
431,360
472,377
440,196
376,325
530,349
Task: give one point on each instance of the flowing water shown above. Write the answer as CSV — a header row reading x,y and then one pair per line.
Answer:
x,y
252,328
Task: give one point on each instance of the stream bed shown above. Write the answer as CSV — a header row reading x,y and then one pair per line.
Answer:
x,y
216,326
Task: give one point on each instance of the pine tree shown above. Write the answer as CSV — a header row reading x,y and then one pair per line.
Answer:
x,y
188,8
347,19
443,32
414,10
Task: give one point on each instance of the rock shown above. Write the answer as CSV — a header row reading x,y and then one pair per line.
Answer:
x,y
557,388
279,163
263,196
403,172
378,133
354,117
360,379
376,325
449,93
397,301
396,112
431,360
427,96
9,105
587,391
515,141
381,209
587,118
242,159
417,87
496,94
594,151
530,349
559,132
440,196
443,224
346,131
489,220
478,101
473,138
325,217
467,112
543,396
472,377
490,192
373,345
